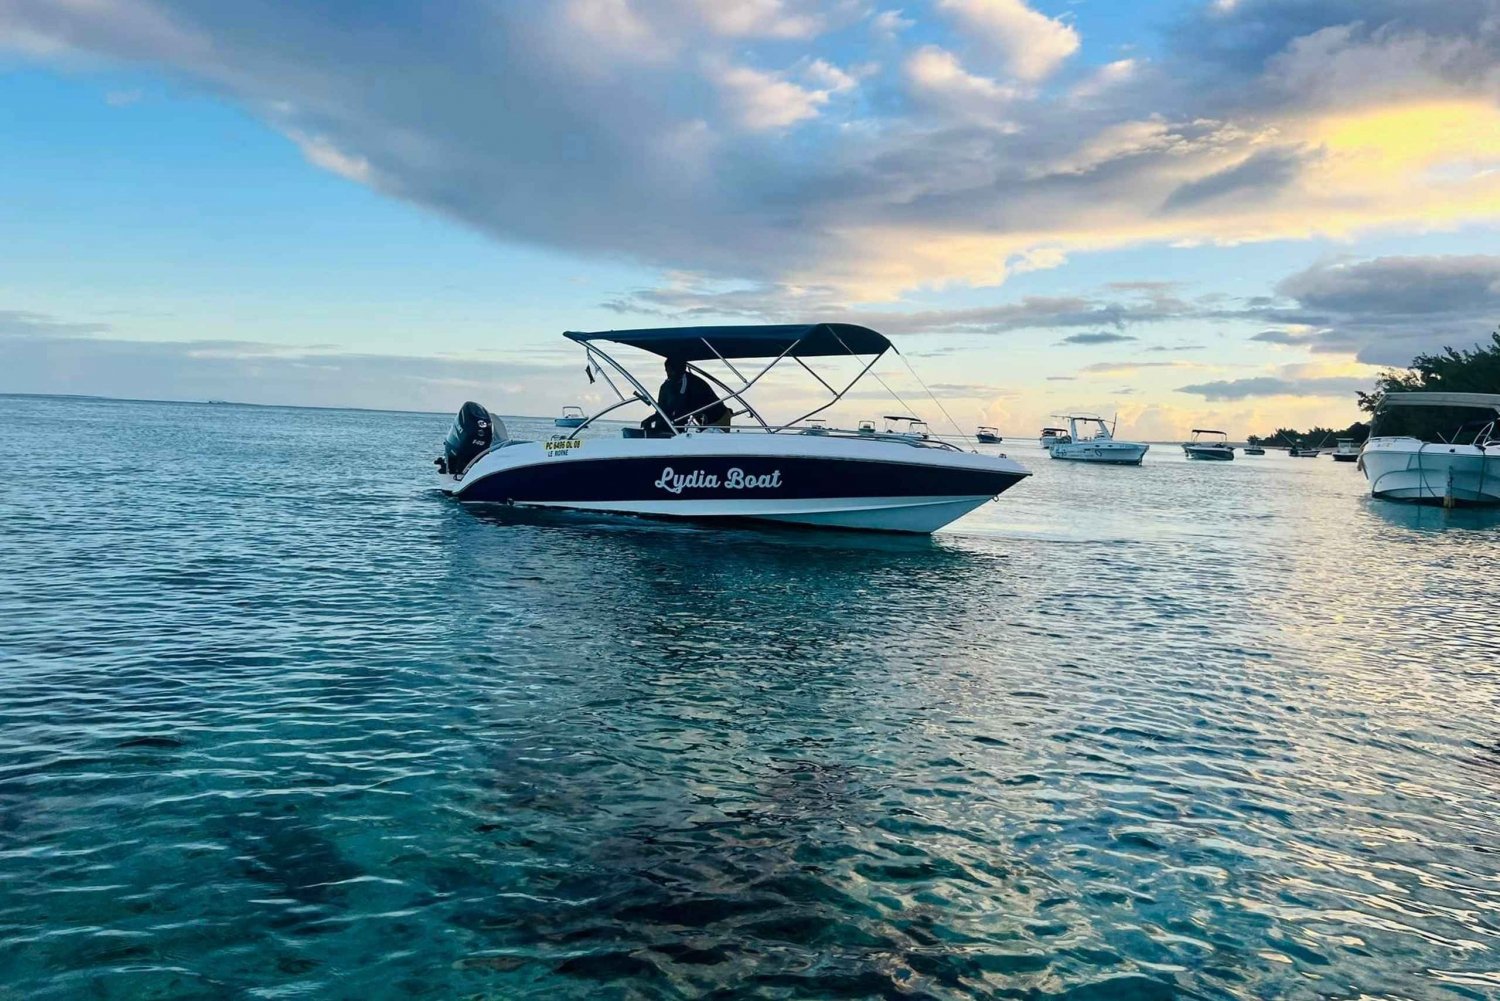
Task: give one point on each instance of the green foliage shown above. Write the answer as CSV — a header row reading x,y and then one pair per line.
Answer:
x,y
1318,436
1472,371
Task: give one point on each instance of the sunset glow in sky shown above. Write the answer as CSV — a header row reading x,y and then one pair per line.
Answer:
x,y
1223,213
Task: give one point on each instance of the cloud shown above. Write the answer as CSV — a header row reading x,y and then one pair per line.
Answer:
x,y
1242,389
937,78
889,23
1032,44
19,323
726,138
41,354
1388,309
1127,367
1101,337
1105,79
760,100
320,152
1255,176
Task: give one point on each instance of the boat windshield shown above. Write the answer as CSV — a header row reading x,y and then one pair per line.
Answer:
x,y
1448,425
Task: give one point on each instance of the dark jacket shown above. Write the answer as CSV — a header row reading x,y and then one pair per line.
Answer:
x,y
689,394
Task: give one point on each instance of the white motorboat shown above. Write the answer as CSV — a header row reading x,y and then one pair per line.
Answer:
x,y
866,427
1214,447
909,427
1435,448
1345,450
901,481
988,435
1090,439
572,417
1254,450
1304,452
1051,436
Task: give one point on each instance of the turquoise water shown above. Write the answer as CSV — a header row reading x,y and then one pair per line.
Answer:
x,y
278,722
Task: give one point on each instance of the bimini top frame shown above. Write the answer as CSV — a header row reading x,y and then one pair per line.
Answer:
x,y
730,344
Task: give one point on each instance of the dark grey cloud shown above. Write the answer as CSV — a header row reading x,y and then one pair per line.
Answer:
x,y
1400,286
1100,337
1257,176
1242,389
1385,310
1279,337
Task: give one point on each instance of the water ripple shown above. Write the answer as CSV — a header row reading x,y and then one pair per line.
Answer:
x,y
278,722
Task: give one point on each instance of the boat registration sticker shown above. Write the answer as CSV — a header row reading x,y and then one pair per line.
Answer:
x,y
561,446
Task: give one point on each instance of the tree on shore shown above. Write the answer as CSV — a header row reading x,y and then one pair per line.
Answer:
x,y
1471,371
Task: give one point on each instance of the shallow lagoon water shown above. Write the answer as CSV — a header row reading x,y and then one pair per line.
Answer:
x,y
279,722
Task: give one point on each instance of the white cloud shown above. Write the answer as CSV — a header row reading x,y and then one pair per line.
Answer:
x,y
1104,79
936,75
759,100
616,26
829,77
757,18
1032,44
889,23
321,152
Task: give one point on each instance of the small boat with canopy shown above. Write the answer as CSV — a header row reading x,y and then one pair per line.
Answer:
x,y
1090,439
1209,444
899,480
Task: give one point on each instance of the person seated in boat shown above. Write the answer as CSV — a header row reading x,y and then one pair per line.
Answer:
x,y
685,395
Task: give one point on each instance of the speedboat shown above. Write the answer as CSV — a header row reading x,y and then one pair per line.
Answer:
x,y
866,427
1345,450
1304,452
1253,450
910,427
1090,439
988,436
1051,436
1213,447
572,417
774,472
1435,448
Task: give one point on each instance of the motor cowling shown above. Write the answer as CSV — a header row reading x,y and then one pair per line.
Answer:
x,y
473,432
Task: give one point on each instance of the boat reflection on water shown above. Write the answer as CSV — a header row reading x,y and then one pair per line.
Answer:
x,y
1432,518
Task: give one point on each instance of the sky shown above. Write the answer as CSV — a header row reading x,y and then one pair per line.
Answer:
x,y
1227,213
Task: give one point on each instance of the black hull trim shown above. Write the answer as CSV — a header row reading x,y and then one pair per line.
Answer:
x,y
740,478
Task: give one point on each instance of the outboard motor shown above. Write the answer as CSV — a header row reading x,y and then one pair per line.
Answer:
x,y
473,431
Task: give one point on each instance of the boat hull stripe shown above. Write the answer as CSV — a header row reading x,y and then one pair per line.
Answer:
x,y
726,477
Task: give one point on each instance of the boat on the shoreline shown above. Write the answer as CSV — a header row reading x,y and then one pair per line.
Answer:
x,y
1090,439
793,472
1215,447
1426,465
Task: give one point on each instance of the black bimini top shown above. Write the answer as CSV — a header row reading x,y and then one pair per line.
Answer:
x,y
795,340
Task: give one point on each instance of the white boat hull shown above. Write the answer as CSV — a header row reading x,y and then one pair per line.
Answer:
x,y
1409,469
880,483
1119,453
